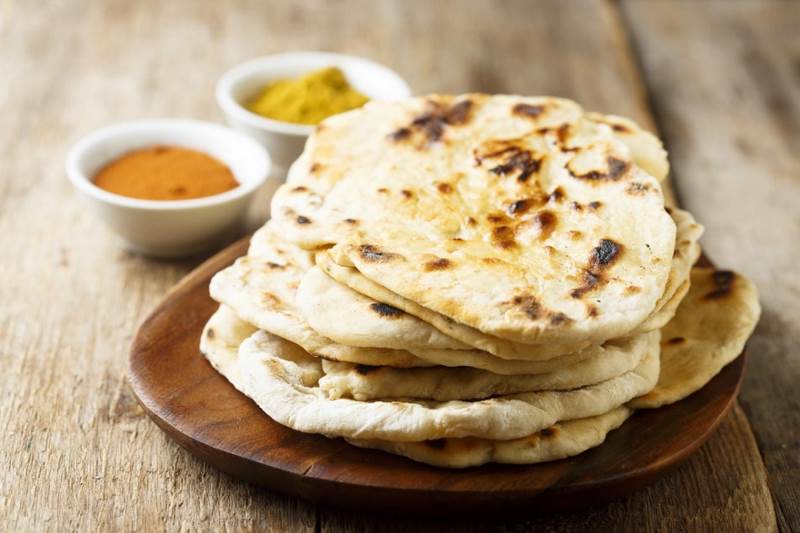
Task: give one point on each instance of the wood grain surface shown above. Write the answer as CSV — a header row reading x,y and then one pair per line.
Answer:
x,y
79,454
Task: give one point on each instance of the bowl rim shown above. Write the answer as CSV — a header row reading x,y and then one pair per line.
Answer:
x,y
81,181
249,68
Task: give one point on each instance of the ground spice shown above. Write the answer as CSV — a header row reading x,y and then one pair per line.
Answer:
x,y
309,99
165,173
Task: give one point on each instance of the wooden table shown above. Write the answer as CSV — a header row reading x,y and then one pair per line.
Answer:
x,y
719,79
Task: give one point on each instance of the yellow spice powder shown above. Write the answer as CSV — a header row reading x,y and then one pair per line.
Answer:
x,y
309,99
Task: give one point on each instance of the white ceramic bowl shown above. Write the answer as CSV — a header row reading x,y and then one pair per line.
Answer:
x,y
285,140
179,227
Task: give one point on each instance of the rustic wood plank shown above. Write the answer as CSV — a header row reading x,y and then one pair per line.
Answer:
x,y
684,501
78,452
726,88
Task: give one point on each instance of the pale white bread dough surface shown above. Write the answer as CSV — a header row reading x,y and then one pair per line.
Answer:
x,y
708,331
488,191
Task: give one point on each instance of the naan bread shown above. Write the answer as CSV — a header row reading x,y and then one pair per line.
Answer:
x,y
222,335
563,439
261,289
224,332
506,349
685,255
646,149
521,194
277,375
323,303
347,317
709,331
363,383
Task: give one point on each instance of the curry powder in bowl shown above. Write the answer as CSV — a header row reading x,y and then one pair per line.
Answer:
x,y
309,99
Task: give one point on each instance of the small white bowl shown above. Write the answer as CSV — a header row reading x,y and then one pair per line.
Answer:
x,y
285,140
174,227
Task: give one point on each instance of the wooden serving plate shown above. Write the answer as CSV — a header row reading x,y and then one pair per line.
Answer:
x,y
198,408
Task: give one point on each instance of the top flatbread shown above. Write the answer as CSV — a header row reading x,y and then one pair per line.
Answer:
x,y
380,318
440,198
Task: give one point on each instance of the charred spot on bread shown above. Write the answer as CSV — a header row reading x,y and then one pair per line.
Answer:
x,y
723,284
444,188
616,168
210,333
520,206
605,254
528,305
407,194
558,319
602,257
521,162
513,158
556,196
636,188
676,340
386,310
458,113
552,431
527,110
497,218
503,237
440,263
303,220
545,222
400,134
373,254
366,369
432,123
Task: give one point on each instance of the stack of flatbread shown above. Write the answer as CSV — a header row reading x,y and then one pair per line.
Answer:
x,y
472,279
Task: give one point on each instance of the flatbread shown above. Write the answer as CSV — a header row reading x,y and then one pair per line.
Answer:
x,y
687,251
563,439
364,383
321,301
222,335
276,375
503,348
347,317
225,332
520,194
646,149
709,331
261,289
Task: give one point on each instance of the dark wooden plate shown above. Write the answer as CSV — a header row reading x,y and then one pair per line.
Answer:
x,y
198,408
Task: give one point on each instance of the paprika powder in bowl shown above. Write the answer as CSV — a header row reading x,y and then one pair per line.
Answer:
x,y
169,187
285,140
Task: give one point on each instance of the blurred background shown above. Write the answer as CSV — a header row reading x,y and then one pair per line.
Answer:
x,y
718,80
